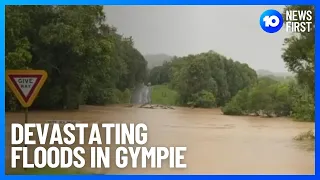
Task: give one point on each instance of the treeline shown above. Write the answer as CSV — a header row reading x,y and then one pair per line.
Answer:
x,y
271,98
204,80
87,61
293,98
209,80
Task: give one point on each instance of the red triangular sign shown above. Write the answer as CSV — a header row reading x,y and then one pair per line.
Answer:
x,y
25,84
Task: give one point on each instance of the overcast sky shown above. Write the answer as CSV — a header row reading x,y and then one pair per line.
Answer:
x,y
232,31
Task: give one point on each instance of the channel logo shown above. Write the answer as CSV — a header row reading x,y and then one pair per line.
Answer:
x,y
271,21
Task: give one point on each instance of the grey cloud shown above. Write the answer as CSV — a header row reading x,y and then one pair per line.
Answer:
x,y
233,31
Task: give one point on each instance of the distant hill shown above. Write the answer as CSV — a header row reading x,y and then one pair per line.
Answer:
x,y
156,59
263,72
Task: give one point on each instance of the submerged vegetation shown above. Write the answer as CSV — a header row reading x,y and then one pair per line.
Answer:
x,y
309,135
273,98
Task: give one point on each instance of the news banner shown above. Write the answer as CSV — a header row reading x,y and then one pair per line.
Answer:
x,y
64,157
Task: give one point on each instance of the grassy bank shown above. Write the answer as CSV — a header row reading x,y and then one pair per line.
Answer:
x,y
161,94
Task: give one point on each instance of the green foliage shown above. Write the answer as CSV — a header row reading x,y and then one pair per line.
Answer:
x,y
272,98
233,108
302,103
299,52
87,61
210,72
238,105
109,96
126,96
203,99
299,58
267,97
121,97
160,74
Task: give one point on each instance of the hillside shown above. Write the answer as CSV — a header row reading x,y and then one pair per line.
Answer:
x,y
156,59
263,72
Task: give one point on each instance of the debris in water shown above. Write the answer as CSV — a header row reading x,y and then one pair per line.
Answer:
x,y
129,105
150,106
305,135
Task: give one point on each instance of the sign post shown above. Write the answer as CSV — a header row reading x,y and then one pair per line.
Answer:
x,y
25,85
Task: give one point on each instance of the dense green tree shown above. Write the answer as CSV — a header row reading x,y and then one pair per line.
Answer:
x,y
209,71
302,102
160,74
299,52
273,98
299,58
86,60
267,97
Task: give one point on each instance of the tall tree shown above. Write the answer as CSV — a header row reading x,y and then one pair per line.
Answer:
x,y
299,51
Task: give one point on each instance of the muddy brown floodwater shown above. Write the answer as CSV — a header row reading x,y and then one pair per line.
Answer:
x,y
217,144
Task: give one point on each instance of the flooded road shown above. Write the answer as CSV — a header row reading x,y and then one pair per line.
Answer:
x,y
217,144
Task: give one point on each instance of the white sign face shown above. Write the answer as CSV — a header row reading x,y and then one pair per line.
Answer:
x,y
25,84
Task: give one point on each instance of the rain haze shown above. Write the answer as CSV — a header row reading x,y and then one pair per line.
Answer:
x,y
232,31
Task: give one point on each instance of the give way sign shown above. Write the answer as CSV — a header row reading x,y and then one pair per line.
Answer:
x,y
26,84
